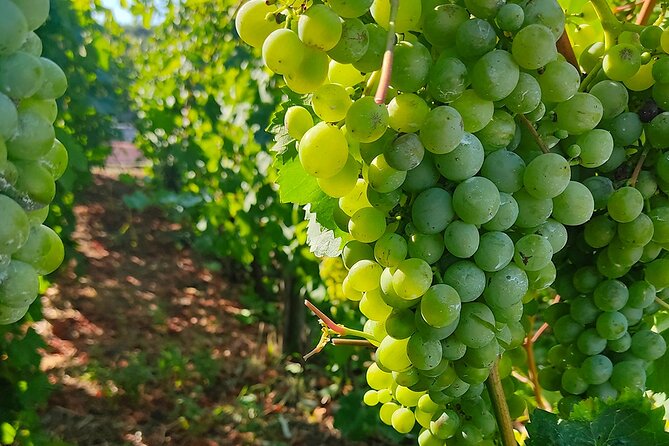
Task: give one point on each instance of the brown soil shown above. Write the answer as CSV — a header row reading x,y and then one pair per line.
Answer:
x,y
149,346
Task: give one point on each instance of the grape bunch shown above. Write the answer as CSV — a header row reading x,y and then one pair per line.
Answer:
x,y
31,158
491,169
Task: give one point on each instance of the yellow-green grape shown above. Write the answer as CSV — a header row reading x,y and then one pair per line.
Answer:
x,y
54,83
55,160
47,108
10,118
323,151
34,137
21,75
622,61
356,199
407,113
53,259
344,74
320,27
664,41
36,182
298,121
365,275
412,278
366,120
35,11
407,397
403,420
20,286
331,102
408,14
350,8
392,353
386,412
283,51
14,27
378,379
371,398
310,74
343,182
33,44
14,226
385,395
255,21
367,225
349,292
643,79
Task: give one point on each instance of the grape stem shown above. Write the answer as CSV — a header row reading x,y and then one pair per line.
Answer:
x,y
567,50
388,57
540,142
496,391
612,26
638,167
646,11
332,325
533,372
661,303
591,75
353,342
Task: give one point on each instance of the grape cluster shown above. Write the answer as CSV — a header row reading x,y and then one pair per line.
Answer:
x,y
31,158
474,183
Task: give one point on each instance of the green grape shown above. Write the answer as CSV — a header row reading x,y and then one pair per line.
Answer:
x,y
34,137
526,96
54,82
373,57
589,342
548,13
36,182
464,161
441,23
353,44
432,211
384,202
411,66
559,81
474,38
427,247
584,311
505,169
477,324
510,17
625,204
20,286
445,425
390,249
658,131
366,120
405,153
429,332
371,398
483,357
495,75
471,375
352,294
310,74
620,345
10,315
37,217
591,56
343,182
422,177
47,108
367,225
661,95
365,275
32,44
547,176
407,113
425,354
350,8
476,112
255,21
532,211
467,279
14,27
641,294
573,382
383,178
586,279
461,239
10,118
506,287
632,315
621,61
599,231
412,278
648,345
580,113
626,128
554,232
408,397
55,160
657,273
650,37
638,232
54,258
369,151
408,15
495,251
476,200
35,11
533,47
386,412
392,353
448,78
500,132
604,392
506,215
609,268
442,130
647,184
331,102
550,379
21,75
320,27
661,69
596,148
567,330
533,252
650,252
36,247
14,226
628,374
611,325
323,151
385,396
373,306
485,9
574,206
613,96
611,295
453,349
400,324
354,251
597,369
536,114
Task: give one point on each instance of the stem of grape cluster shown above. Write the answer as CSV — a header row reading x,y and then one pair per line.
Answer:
x,y
591,75
612,26
533,372
387,68
661,303
638,167
646,11
498,399
540,142
564,47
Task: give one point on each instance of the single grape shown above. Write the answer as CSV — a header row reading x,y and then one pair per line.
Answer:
x,y
323,151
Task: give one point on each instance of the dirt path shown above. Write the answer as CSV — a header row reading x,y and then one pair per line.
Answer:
x,y
147,346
